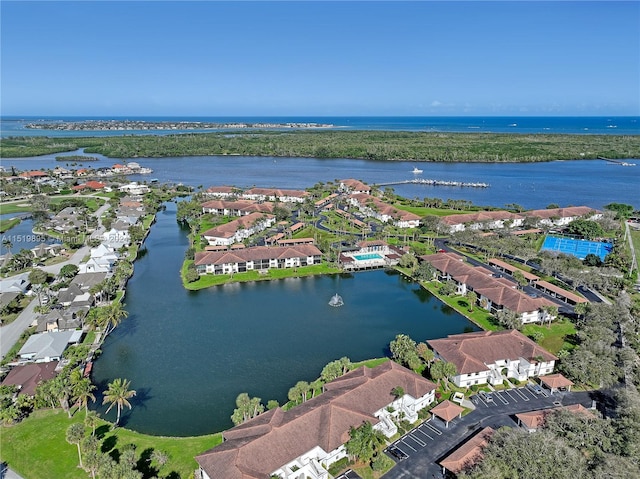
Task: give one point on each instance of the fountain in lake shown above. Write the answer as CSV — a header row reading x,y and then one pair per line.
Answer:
x,y
336,300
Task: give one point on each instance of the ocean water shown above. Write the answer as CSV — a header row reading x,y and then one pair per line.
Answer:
x,y
601,125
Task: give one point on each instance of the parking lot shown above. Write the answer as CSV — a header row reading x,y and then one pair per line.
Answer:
x,y
419,451
348,475
508,396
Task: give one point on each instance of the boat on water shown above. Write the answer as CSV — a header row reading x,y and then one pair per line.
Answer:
x,y
416,171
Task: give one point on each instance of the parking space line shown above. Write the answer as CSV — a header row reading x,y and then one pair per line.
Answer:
x,y
412,436
402,440
423,433
397,444
519,392
510,394
499,396
527,390
439,433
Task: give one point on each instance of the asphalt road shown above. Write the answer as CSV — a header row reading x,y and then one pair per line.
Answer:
x,y
10,333
432,441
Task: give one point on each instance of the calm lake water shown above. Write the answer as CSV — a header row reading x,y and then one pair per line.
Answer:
x,y
189,354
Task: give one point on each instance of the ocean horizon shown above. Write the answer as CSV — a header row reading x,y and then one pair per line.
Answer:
x,y
594,125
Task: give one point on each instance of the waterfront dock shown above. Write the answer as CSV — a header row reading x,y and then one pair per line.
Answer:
x,y
616,162
429,182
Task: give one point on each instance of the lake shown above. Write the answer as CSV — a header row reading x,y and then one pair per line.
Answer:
x,y
189,354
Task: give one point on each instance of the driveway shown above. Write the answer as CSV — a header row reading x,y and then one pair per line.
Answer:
x,y
431,441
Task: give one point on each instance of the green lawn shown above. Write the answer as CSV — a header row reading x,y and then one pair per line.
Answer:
x,y
208,280
554,337
6,225
478,316
20,207
37,449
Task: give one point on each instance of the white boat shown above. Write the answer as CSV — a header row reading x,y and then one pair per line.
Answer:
x,y
416,171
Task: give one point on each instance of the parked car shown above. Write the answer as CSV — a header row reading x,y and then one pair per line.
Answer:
x,y
486,397
535,388
397,453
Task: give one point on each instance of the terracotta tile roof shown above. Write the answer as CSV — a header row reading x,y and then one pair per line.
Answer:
x,y
355,185
561,292
262,445
500,291
384,208
472,352
508,267
447,410
229,229
536,419
32,174
479,217
556,381
569,212
257,253
468,453
29,376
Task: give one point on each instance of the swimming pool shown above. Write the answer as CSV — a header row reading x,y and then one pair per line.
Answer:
x,y
364,257
578,248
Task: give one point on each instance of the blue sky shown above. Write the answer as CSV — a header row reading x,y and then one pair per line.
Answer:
x,y
320,58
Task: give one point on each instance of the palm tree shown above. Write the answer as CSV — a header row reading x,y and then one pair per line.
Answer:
x,y
82,390
75,435
118,394
111,316
91,420
365,442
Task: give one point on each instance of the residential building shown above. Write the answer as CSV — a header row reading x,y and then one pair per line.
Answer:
x,y
259,258
236,208
493,356
238,230
562,216
494,293
304,441
134,188
482,220
274,194
354,186
27,377
376,208
46,347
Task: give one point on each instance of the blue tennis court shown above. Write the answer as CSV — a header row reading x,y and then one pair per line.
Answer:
x,y
576,247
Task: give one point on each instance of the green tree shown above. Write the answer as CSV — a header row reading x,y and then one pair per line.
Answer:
x,y
622,210
118,394
75,435
586,228
472,298
111,316
38,279
520,279
83,392
68,271
403,350
364,442
91,420
424,353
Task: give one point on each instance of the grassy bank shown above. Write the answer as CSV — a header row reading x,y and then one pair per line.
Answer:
x,y
371,145
478,316
36,448
6,225
209,280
